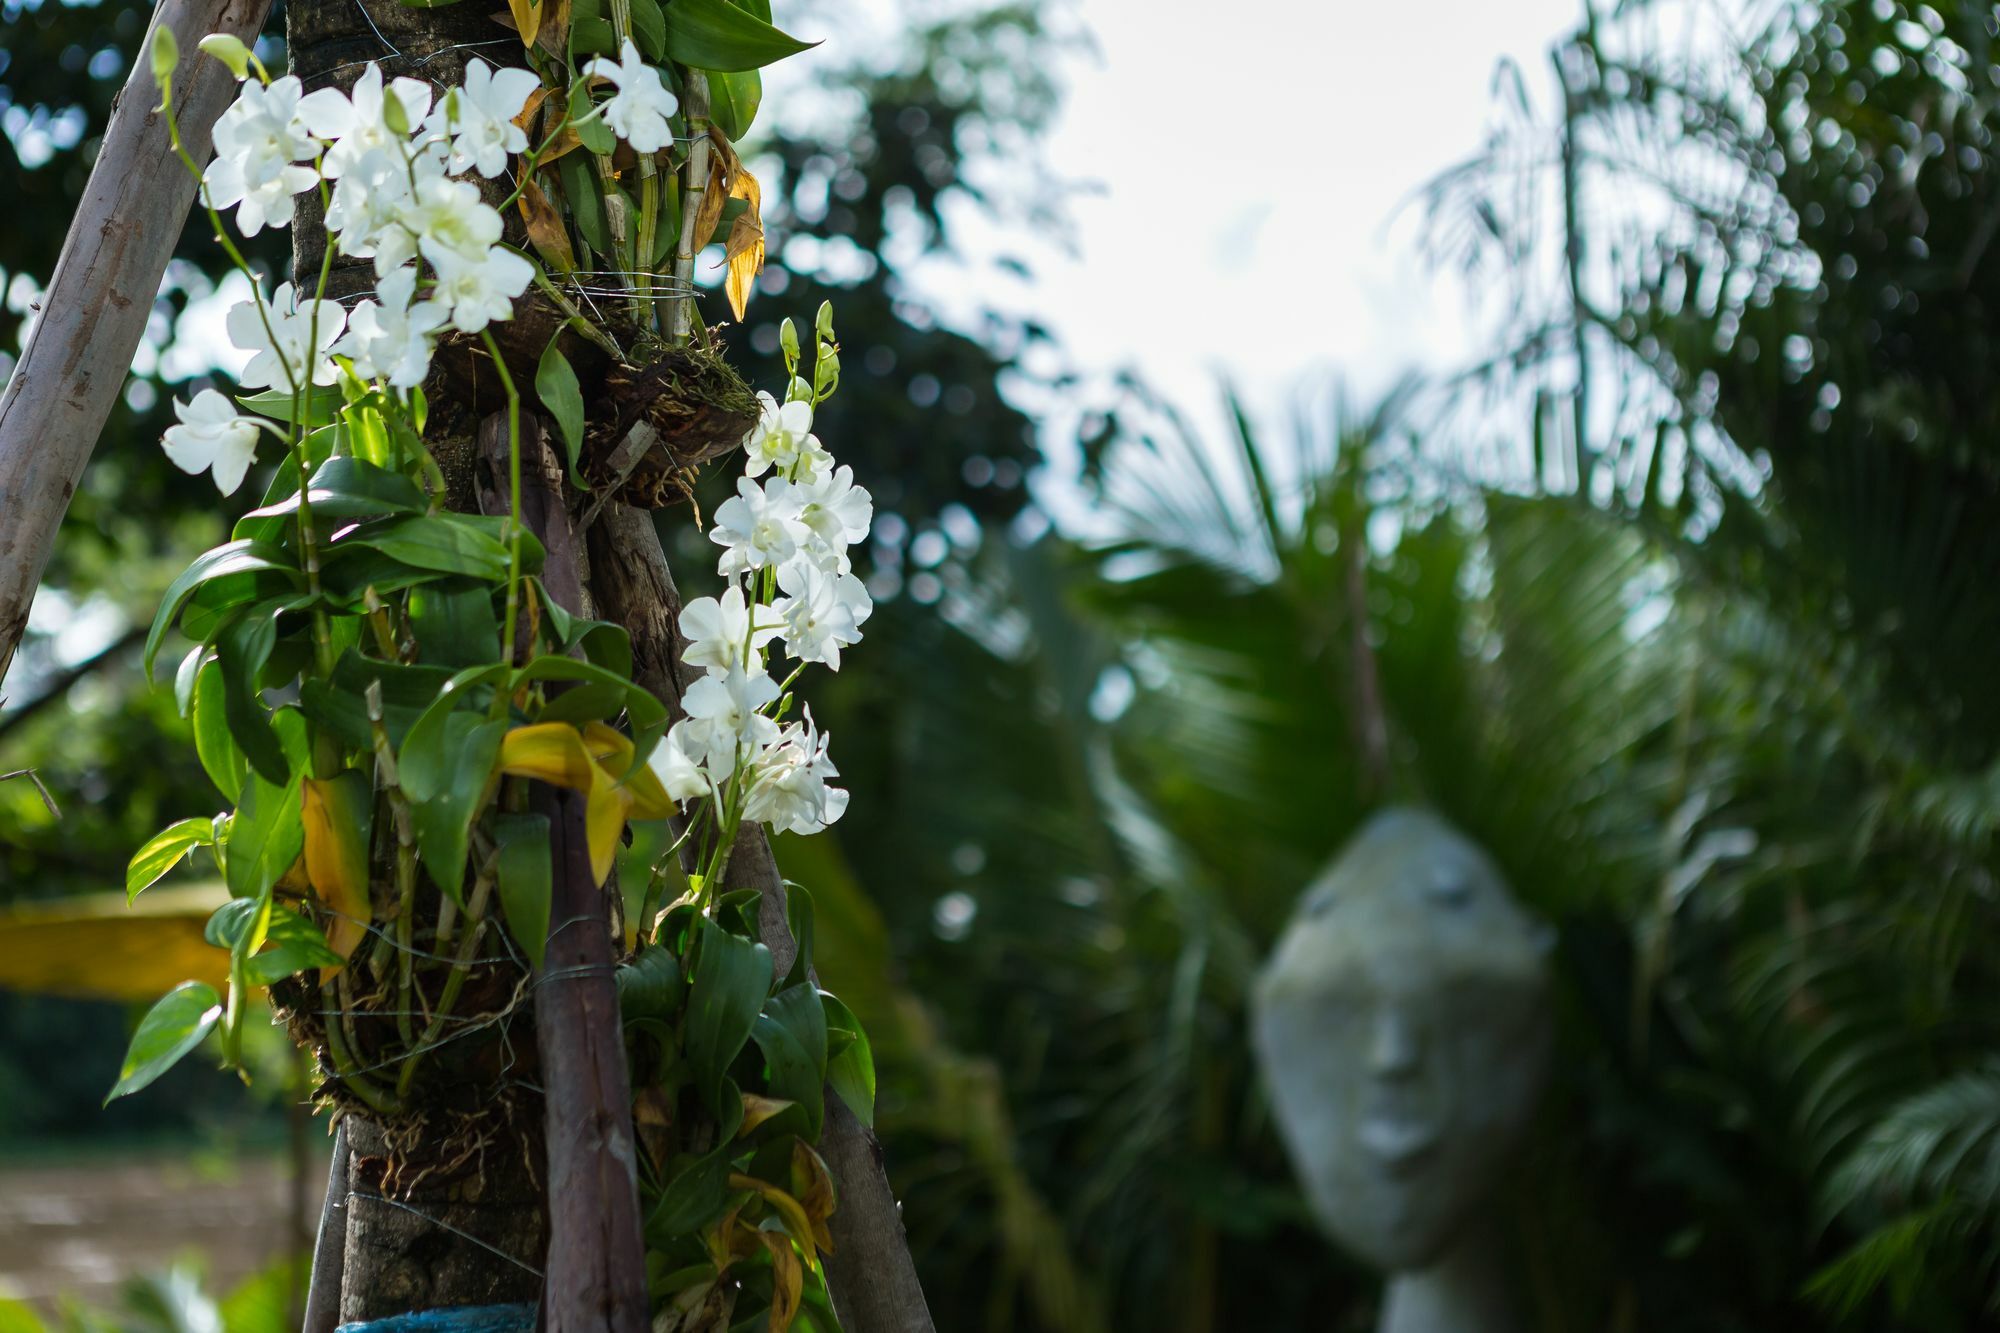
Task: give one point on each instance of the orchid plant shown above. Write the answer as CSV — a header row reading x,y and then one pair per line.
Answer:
x,y
377,680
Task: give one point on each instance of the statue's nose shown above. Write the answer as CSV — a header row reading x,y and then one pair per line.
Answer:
x,y
1396,1047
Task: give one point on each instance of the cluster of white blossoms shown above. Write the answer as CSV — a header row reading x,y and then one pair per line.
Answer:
x,y
785,541
397,161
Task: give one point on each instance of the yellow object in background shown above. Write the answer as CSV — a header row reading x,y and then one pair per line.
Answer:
x,y
96,947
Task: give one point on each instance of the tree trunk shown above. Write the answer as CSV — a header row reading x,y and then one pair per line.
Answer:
x,y
427,1224
477,1239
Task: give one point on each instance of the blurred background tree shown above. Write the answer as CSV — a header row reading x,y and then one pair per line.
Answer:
x,y
1681,605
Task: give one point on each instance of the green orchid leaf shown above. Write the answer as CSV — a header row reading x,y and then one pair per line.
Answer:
x,y
714,34
446,543
791,1032
221,758
454,623
242,648
556,386
851,1069
350,488
649,30
733,101
732,976
444,768
340,705
525,880
318,404
233,573
268,832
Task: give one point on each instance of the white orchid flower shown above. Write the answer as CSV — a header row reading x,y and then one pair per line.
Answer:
x,y
298,337
212,437
479,117
638,112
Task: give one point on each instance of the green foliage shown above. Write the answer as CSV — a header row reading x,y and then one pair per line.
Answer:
x,y
171,1028
722,36
729,1068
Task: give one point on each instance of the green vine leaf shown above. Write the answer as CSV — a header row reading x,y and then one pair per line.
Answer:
x,y
171,1028
220,757
292,943
267,834
165,850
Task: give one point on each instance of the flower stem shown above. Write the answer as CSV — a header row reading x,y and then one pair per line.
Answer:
x,y
681,311
468,949
514,503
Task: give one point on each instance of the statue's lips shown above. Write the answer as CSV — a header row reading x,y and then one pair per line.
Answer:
x,y
1397,1142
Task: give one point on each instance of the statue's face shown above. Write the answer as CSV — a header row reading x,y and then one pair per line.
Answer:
x,y
1402,1027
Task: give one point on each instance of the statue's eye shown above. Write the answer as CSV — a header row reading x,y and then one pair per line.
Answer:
x,y
1452,889
1319,905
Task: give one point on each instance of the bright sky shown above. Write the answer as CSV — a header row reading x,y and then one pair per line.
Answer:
x,y
1249,160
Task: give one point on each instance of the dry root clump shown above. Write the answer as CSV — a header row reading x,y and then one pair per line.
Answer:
x,y
475,1093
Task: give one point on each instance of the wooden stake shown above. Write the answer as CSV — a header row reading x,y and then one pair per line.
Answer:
x,y
76,357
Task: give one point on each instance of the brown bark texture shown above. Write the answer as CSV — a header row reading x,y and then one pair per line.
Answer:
x,y
596,1261
74,362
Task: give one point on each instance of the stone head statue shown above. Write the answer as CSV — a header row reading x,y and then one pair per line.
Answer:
x,y
1403,1029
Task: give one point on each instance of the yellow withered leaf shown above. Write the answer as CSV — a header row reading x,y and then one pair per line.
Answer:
x,y
564,143
745,256
556,753
730,1240
545,228
722,169
550,752
612,749
337,813
526,120
756,1110
554,33
812,1185
787,1279
788,1209
527,19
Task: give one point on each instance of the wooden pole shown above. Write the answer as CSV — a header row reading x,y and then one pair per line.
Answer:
x,y
76,357
596,1265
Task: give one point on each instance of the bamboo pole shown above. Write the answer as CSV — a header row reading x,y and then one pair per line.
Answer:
x,y
73,365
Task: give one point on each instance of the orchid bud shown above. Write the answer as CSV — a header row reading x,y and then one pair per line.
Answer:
x,y
166,55
230,50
